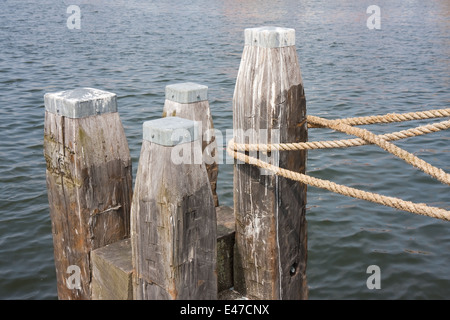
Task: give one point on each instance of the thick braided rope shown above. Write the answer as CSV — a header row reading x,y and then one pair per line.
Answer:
x,y
366,135
393,117
396,203
421,130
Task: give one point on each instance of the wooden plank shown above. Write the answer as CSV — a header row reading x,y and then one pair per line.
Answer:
x,y
173,222
189,101
271,234
112,272
89,181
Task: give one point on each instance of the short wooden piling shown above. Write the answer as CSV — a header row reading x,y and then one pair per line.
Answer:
x,y
190,101
271,234
173,222
89,182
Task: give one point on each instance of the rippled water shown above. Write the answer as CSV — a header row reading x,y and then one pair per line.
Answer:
x,y
135,48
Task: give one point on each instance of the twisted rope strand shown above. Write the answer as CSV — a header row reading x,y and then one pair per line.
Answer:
x,y
364,137
417,208
393,117
310,145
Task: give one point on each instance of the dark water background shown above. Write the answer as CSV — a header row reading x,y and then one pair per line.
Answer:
x,y
136,48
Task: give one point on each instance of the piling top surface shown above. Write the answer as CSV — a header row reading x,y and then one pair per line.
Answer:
x,y
186,92
269,37
80,103
170,131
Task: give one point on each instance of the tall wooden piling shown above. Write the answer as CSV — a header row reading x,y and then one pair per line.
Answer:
x,y
89,182
271,234
190,101
173,221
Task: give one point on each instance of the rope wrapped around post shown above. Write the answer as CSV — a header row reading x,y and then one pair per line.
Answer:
x,y
365,137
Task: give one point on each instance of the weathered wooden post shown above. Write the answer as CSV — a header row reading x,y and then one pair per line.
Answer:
x,y
173,221
269,107
89,182
190,101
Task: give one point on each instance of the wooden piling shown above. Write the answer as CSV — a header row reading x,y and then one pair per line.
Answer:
x,y
89,182
173,221
271,234
190,101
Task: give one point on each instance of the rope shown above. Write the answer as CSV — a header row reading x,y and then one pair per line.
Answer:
x,y
310,145
344,125
366,135
393,117
396,203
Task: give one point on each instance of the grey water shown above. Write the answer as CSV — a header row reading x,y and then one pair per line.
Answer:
x,y
135,48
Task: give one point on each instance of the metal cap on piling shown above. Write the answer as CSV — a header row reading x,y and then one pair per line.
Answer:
x,y
80,103
186,92
170,131
270,37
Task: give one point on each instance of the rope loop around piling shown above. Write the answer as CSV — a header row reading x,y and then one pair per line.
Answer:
x,y
364,137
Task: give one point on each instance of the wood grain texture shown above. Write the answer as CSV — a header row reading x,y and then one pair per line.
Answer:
x,y
271,233
112,272
225,247
173,228
89,187
200,111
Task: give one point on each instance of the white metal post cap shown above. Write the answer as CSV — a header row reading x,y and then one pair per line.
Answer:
x,y
80,103
269,37
170,131
186,92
